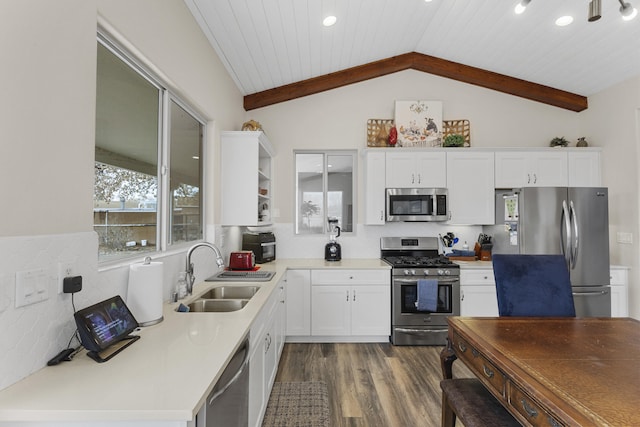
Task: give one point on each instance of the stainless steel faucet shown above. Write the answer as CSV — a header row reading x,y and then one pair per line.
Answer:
x,y
189,271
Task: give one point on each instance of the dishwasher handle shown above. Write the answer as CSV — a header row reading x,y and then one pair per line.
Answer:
x,y
243,366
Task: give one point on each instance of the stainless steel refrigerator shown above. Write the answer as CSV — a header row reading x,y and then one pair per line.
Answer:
x,y
572,221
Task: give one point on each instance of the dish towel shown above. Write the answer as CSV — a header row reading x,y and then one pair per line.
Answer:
x,y
427,295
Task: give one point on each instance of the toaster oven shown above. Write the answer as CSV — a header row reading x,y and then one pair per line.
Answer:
x,y
263,246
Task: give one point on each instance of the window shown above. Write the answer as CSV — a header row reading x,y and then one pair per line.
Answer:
x,y
325,191
137,207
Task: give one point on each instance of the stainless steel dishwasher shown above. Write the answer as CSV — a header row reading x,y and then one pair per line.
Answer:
x,y
228,403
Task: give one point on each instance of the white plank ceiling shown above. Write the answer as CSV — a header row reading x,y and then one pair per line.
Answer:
x,y
269,43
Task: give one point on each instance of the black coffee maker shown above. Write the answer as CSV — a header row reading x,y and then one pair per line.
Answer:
x,y
332,250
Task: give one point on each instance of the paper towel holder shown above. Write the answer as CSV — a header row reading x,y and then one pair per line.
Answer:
x,y
144,297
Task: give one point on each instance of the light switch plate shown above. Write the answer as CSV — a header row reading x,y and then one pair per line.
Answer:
x,y
626,238
31,286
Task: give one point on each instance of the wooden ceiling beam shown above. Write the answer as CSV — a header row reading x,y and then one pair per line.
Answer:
x,y
427,64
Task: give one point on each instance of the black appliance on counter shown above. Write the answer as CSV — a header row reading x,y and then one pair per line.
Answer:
x,y
411,259
263,246
332,250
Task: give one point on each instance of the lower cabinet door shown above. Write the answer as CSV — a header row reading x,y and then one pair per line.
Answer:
x,y
330,310
371,310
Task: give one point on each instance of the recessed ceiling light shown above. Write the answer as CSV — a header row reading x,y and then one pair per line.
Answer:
x,y
522,6
563,21
427,1
329,21
195,157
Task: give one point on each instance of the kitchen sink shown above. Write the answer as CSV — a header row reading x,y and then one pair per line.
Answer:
x,y
241,276
216,305
230,292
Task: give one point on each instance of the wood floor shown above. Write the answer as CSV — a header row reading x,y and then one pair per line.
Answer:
x,y
377,385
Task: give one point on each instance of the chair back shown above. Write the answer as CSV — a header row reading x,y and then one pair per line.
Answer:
x,y
533,285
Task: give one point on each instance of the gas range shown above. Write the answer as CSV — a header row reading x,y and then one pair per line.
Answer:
x,y
416,263
414,255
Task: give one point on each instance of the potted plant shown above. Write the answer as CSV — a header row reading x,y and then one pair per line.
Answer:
x,y
453,140
558,142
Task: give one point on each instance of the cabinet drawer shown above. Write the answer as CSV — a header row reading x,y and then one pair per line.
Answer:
x,y
481,366
477,277
350,277
530,409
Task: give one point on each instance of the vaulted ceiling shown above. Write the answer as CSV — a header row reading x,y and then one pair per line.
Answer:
x,y
277,50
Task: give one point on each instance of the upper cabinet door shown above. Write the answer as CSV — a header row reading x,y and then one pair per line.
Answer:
x,y
515,169
374,188
471,187
246,178
415,169
584,169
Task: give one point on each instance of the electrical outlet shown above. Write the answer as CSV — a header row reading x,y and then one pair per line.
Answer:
x,y
65,269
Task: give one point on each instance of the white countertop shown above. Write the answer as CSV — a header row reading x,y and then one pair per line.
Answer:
x,y
165,376
489,265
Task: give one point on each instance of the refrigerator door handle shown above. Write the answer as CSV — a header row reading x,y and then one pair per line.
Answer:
x,y
592,293
576,241
565,234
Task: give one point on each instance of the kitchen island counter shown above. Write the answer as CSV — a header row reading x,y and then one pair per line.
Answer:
x,y
162,379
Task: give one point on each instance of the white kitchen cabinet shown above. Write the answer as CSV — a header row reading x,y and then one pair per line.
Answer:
x,y
298,306
375,181
246,168
470,180
544,168
416,169
265,349
619,291
350,303
584,168
478,293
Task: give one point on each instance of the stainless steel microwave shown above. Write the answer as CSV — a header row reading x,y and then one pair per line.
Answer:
x,y
417,204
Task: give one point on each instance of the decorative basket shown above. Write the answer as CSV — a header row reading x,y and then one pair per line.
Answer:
x,y
376,129
460,127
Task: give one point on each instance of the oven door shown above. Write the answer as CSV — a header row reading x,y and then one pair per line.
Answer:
x,y
405,296
413,327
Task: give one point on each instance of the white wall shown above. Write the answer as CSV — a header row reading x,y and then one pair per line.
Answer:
x,y
47,113
612,122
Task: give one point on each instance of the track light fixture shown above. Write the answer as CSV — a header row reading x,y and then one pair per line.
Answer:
x,y
627,10
595,10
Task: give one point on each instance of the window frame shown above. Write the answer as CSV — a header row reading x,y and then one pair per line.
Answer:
x,y
164,217
325,190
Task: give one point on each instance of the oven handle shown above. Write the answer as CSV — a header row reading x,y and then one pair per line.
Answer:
x,y
420,331
440,280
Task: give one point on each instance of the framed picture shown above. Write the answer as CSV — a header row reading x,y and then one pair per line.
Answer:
x,y
419,123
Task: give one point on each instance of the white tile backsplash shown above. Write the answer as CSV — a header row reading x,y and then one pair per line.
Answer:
x,y
31,335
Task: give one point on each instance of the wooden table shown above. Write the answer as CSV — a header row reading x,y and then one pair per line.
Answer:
x,y
551,371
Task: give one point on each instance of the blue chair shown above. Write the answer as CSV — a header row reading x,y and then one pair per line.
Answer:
x,y
533,285
526,285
